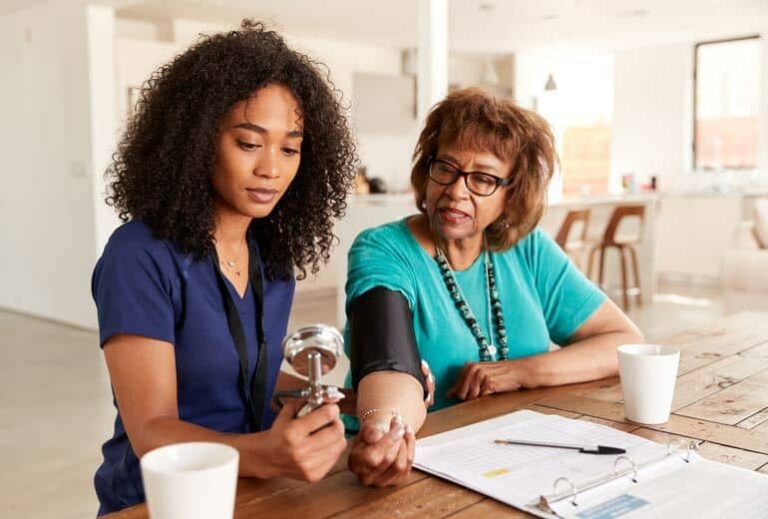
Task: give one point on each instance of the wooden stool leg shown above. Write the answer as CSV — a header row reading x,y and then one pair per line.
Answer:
x,y
591,262
636,274
624,295
601,269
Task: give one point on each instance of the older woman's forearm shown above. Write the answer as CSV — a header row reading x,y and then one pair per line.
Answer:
x,y
391,392
589,359
589,355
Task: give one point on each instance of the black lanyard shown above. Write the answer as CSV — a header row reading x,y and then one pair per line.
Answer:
x,y
253,391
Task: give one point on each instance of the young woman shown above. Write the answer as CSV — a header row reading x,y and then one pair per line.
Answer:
x,y
469,284
228,177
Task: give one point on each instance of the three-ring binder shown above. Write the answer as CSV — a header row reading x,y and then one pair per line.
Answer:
x,y
646,483
545,501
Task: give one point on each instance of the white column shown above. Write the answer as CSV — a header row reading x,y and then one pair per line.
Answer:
x,y
432,82
762,127
102,82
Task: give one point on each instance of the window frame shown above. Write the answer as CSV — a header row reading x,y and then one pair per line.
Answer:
x,y
696,47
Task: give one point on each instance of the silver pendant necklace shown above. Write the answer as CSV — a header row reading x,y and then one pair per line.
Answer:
x,y
231,264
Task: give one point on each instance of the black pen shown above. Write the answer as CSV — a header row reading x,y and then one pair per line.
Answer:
x,y
590,449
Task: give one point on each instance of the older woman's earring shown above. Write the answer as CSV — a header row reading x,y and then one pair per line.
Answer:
x,y
502,224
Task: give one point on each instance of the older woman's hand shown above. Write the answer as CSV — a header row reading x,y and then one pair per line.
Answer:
x,y
485,378
383,458
382,452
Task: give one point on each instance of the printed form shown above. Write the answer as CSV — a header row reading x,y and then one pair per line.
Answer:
x,y
518,475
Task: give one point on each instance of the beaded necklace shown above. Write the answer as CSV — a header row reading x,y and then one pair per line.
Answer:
x,y
487,350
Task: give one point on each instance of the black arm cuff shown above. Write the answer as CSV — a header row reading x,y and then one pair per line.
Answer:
x,y
381,335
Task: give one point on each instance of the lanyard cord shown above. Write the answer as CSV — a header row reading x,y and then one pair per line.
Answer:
x,y
253,391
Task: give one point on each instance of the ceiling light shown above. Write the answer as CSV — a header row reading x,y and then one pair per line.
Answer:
x,y
634,13
550,85
487,7
489,75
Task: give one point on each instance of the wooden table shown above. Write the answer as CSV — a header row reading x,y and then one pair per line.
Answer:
x,y
721,398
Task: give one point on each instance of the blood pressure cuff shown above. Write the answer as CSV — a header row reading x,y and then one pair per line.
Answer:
x,y
382,337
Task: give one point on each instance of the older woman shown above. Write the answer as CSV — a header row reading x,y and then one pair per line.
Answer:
x,y
469,284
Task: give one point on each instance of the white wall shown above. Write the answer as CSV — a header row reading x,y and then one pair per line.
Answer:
x,y
135,61
126,28
46,186
103,121
652,129
652,114
385,155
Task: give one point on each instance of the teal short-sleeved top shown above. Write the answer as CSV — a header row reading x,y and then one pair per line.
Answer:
x,y
544,297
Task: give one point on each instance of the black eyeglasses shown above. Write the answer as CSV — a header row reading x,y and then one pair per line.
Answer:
x,y
478,183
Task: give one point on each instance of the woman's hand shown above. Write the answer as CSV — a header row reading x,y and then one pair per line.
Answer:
x,y
590,354
382,452
303,448
381,457
485,378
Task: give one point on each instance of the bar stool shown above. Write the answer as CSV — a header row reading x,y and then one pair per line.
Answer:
x,y
623,243
574,247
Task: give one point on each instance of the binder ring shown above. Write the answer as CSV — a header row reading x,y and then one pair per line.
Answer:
x,y
675,444
678,444
631,462
692,446
574,491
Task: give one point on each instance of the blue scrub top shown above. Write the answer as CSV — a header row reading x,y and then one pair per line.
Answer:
x,y
145,286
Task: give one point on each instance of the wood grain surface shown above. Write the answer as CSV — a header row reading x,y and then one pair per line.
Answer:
x,y
721,402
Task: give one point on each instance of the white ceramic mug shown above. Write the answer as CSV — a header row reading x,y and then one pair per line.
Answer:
x,y
195,480
648,374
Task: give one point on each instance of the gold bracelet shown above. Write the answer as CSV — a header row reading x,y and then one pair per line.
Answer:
x,y
394,413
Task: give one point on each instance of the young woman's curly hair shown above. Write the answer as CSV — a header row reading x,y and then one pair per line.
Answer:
x,y
161,173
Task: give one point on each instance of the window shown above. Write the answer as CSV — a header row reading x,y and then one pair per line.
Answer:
x,y
585,159
726,103
583,119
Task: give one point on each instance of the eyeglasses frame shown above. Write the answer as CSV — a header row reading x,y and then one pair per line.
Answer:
x,y
500,182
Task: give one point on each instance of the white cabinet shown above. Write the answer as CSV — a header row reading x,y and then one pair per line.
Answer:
x,y
384,104
694,230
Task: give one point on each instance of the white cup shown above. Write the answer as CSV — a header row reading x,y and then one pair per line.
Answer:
x,y
195,480
648,374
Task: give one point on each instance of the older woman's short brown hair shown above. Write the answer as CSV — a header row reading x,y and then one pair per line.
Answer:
x,y
474,119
